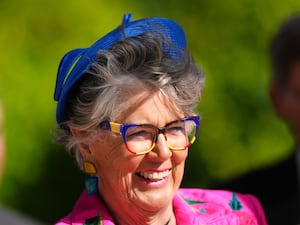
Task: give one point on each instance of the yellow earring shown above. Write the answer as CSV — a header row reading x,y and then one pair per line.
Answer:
x,y
89,168
91,180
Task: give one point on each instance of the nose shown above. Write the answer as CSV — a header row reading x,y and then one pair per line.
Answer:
x,y
161,150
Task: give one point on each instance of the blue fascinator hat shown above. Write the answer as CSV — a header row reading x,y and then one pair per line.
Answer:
x,y
76,62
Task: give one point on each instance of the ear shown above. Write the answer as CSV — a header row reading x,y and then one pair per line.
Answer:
x,y
83,147
278,100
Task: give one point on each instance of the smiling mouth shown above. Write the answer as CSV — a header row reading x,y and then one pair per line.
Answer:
x,y
154,176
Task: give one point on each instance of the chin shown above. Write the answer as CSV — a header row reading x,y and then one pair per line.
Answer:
x,y
154,201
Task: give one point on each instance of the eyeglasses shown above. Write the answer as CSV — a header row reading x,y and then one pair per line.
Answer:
x,y
141,138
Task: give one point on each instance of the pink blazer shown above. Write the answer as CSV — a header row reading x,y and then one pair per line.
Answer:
x,y
191,207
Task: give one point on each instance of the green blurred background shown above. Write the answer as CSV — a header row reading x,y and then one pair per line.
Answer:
x,y
229,40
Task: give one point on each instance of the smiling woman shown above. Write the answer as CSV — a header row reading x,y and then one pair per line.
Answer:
x,y
126,112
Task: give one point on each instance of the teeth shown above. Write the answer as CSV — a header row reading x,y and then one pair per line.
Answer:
x,y
155,175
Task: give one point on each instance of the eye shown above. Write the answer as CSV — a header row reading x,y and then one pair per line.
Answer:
x,y
176,129
136,134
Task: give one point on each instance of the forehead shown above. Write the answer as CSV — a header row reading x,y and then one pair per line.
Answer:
x,y
145,106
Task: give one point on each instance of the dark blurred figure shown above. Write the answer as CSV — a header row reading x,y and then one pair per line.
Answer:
x,y
277,186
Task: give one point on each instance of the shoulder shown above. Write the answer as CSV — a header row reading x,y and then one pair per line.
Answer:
x,y
226,199
88,210
223,206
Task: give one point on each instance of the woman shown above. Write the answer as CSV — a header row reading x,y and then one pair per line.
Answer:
x,y
126,112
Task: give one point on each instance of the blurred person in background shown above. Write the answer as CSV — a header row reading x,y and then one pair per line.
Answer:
x,y
277,186
9,216
126,112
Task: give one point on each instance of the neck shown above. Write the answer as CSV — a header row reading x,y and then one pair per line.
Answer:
x,y
168,222
171,221
147,221
136,214
133,217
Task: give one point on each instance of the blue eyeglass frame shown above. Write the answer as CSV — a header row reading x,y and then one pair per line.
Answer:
x,y
121,129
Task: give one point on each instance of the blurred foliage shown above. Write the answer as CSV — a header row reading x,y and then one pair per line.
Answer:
x,y
229,40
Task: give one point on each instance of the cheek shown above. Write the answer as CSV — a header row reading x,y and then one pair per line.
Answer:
x,y
111,156
178,161
179,157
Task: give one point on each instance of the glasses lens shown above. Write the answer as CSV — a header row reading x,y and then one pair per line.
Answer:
x,y
180,134
140,138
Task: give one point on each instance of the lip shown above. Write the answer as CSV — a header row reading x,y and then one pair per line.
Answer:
x,y
154,178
